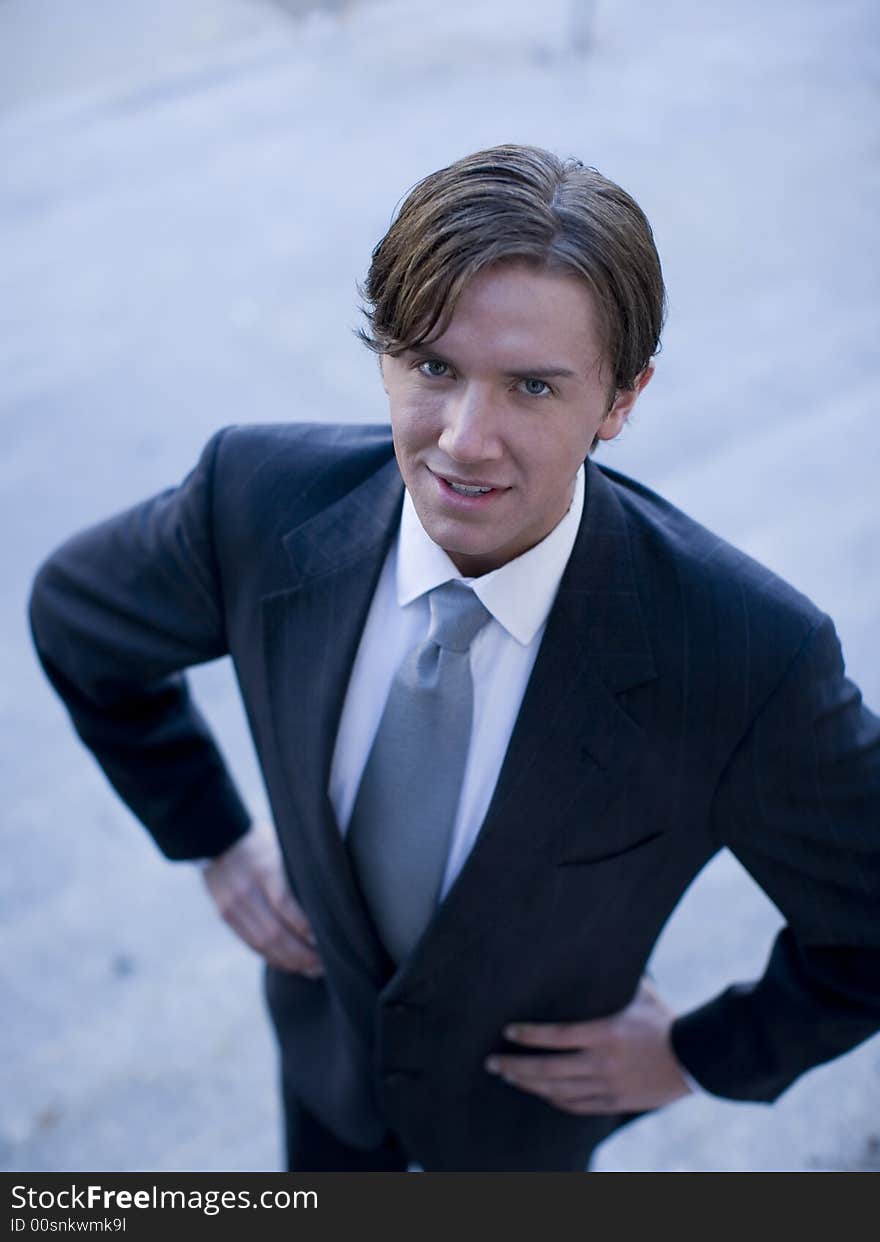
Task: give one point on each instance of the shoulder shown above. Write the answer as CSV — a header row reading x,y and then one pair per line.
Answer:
x,y
292,468
264,479
267,451
674,554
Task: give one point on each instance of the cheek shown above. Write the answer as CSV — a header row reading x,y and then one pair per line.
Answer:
x,y
416,418
552,463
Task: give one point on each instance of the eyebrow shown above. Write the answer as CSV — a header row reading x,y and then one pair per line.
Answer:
x,y
542,372
552,372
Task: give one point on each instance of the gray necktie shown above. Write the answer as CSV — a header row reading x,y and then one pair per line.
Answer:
x,y
403,815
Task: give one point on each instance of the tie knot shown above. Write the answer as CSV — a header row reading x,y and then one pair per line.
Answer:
x,y
457,616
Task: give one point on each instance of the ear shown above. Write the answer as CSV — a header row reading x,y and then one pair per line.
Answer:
x,y
615,420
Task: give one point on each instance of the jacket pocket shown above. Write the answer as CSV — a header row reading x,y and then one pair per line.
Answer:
x,y
576,857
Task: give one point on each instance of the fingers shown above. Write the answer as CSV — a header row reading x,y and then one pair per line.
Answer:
x,y
286,908
555,1034
578,1097
573,1078
254,920
250,889
540,1069
274,880
621,1063
570,1081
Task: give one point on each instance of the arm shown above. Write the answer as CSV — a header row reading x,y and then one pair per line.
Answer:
x,y
799,805
117,612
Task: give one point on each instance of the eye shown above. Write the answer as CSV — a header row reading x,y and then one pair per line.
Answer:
x,y
536,388
434,368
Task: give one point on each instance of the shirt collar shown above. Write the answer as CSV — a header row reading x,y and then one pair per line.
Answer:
x,y
519,595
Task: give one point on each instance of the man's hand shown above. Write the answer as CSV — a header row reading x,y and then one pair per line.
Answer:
x,y
251,892
620,1064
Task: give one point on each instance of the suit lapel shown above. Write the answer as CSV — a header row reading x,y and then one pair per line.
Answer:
x,y
311,633
572,739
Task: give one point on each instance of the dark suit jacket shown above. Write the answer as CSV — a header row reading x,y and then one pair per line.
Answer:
x,y
683,699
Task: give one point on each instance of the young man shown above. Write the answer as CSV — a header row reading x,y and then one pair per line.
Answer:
x,y
507,704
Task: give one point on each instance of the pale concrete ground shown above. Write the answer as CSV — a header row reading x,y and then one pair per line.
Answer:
x,y
189,193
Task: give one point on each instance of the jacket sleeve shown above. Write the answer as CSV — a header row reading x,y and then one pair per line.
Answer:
x,y
116,613
799,805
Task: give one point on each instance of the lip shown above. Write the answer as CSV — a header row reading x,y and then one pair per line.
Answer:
x,y
454,478
457,501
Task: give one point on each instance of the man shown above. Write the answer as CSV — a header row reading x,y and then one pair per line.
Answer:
x,y
507,705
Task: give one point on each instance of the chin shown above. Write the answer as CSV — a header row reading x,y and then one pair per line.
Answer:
x,y
453,546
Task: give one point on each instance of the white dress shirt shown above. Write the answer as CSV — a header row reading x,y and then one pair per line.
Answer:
x,y
519,596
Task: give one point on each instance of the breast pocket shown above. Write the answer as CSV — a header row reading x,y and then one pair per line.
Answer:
x,y
583,855
633,819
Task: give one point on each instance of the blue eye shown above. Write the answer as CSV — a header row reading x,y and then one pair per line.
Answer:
x,y
536,388
434,368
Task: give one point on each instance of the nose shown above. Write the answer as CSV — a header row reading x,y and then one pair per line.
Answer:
x,y
470,426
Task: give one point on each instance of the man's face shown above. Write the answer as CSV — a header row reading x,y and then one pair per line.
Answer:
x,y
508,401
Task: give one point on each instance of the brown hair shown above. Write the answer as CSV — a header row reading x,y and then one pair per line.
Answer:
x,y
517,202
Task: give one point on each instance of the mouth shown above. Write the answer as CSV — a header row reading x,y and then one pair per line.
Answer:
x,y
469,490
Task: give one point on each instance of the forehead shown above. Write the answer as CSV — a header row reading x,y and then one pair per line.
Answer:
x,y
515,307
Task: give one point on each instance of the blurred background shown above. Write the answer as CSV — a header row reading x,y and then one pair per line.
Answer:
x,y
190,191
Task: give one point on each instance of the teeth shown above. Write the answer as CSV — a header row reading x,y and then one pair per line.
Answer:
x,y
468,491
